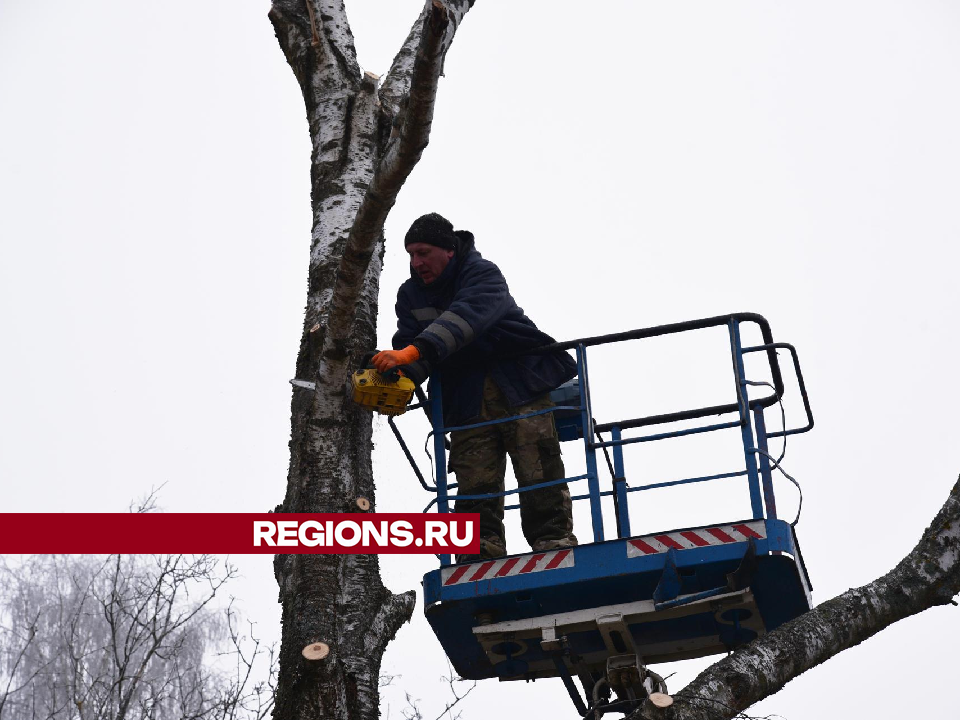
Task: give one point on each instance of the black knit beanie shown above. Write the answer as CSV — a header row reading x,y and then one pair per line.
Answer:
x,y
432,229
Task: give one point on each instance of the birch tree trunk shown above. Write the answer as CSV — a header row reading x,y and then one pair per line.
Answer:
x,y
366,136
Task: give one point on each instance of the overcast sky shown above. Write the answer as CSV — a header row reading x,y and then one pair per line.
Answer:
x,y
626,165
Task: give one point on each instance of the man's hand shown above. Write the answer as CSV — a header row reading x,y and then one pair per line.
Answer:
x,y
387,359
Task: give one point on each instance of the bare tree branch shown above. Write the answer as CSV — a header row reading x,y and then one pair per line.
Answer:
x,y
440,22
928,576
121,638
317,30
259,700
339,38
413,712
396,83
149,502
393,613
10,690
457,697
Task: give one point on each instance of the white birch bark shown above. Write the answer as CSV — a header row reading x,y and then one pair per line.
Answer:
x,y
366,141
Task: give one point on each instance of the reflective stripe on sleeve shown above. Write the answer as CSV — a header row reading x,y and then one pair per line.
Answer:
x,y
425,313
445,335
461,324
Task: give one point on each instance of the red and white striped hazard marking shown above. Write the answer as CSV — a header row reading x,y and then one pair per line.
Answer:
x,y
507,567
701,537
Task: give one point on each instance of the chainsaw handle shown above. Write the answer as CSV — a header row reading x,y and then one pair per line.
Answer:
x,y
391,375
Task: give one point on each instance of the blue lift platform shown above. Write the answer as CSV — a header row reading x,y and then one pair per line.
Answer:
x,y
602,612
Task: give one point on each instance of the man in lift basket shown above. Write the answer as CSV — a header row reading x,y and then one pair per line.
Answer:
x,y
455,313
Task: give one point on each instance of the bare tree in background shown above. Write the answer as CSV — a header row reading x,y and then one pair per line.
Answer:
x,y
367,135
125,638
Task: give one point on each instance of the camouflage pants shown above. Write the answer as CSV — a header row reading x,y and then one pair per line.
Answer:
x,y
478,457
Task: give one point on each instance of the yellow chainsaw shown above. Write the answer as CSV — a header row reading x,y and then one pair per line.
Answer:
x,y
388,393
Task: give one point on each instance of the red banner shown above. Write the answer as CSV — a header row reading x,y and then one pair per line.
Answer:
x,y
238,533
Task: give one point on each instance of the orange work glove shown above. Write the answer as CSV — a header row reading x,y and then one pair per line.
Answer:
x,y
387,359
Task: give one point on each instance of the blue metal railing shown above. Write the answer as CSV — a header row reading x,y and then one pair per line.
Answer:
x,y
754,436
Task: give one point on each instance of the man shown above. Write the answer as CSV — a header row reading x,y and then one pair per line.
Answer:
x,y
456,314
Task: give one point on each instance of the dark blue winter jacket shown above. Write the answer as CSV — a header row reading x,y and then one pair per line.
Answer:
x,y
467,325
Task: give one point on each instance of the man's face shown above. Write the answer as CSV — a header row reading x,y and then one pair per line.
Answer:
x,y
428,261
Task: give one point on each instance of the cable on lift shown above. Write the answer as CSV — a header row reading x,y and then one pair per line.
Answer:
x,y
613,477
776,466
776,462
606,454
783,414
